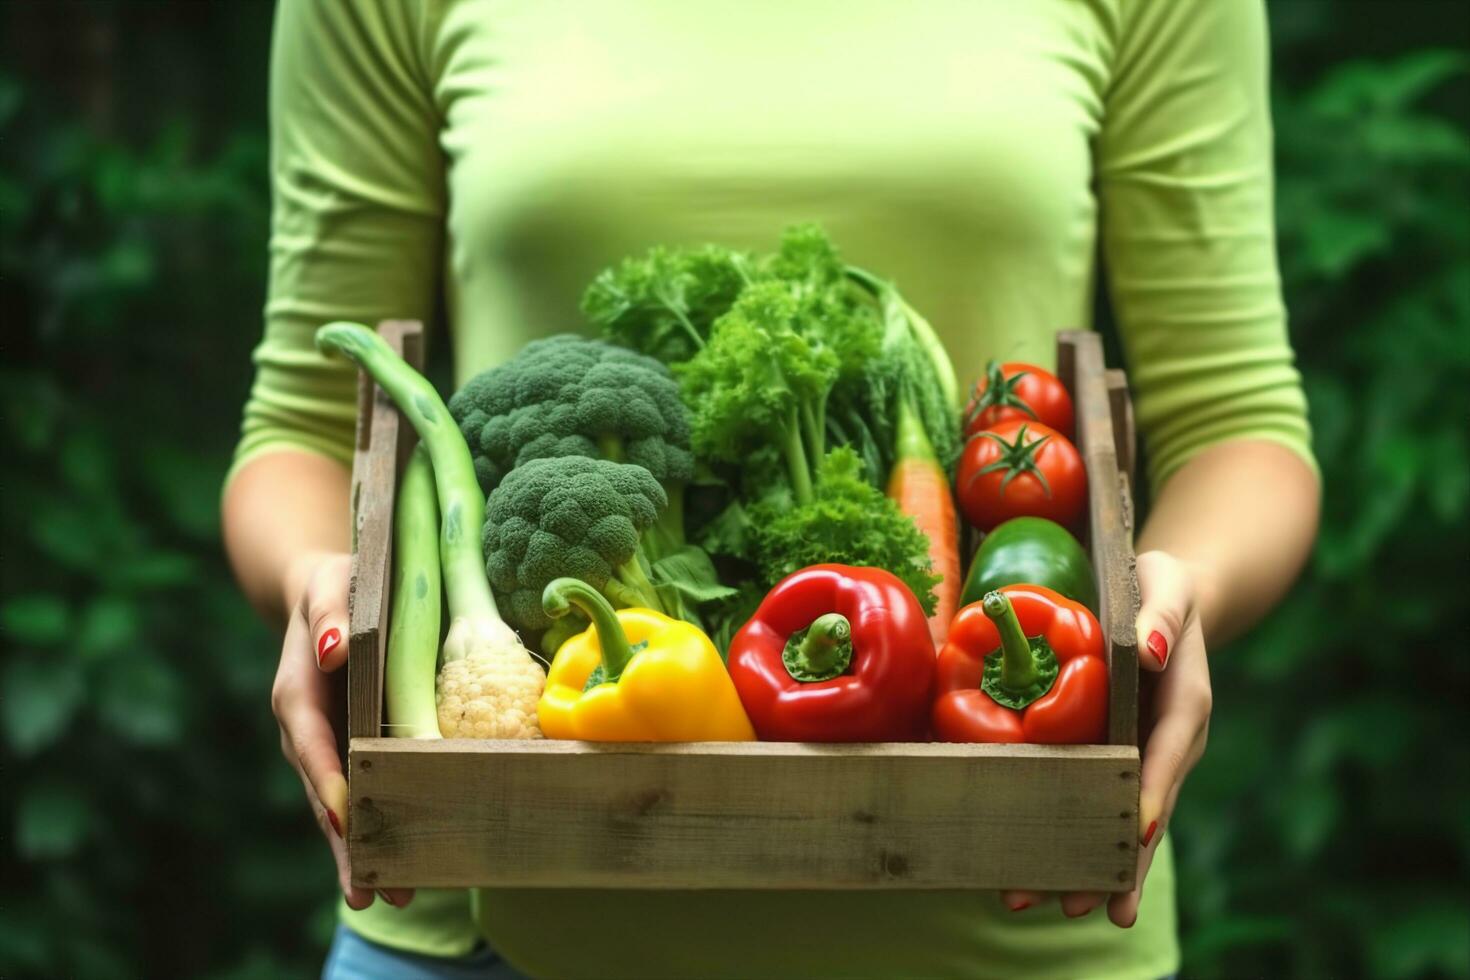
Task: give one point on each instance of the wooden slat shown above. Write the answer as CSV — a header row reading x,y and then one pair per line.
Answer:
x,y
1110,530
381,436
740,815
1125,439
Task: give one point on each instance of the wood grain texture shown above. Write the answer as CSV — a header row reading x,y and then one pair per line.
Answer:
x,y
738,815
381,439
1125,438
1110,528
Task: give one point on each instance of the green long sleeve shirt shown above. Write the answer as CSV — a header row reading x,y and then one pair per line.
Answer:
x,y
994,157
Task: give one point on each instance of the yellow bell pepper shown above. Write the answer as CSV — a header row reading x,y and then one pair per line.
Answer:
x,y
636,676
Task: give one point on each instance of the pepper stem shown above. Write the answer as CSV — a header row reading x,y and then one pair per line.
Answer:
x,y
562,594
821,651
1024,668
1018,663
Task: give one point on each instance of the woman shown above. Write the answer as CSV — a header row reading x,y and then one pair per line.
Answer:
x,y
988,155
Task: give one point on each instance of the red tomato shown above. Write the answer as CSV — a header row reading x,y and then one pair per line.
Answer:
x,y
1021,469
1018,391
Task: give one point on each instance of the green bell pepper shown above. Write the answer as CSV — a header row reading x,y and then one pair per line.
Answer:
x,y
1034,551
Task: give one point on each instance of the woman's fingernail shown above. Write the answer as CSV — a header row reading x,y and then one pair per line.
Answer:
x,y
1148,834
384,896
1159,647
332,819
329,642
1020,905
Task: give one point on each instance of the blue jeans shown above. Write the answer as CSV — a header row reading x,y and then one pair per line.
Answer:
x,y
355,958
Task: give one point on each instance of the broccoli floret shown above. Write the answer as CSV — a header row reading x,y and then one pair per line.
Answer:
x,y
573,396
570,516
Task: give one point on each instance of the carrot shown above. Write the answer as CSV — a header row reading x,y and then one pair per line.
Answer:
x,y
920,488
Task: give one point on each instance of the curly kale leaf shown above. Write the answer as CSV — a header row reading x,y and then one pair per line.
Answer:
x,y
665,302
848,521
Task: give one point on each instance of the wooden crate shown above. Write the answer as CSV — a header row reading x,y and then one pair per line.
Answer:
x,y
460,812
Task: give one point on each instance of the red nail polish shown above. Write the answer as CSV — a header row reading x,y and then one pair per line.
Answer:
x,y
327,643
1148,834
1019,907
332,819
1159,647
384,896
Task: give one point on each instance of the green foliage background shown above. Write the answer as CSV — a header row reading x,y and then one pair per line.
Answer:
x,y
149,826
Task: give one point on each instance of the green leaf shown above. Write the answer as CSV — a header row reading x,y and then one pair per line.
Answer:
x,y
152,570
1430,937
690,571
1339,241
86,463
37,619
11,98
1414,76
188,489
109,623
52,821
729,532
66,535
40,700
25,940
142,701
1449,486
1309,813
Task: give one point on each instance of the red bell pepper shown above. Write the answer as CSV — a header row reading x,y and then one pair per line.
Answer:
x,y
836,653
1024,664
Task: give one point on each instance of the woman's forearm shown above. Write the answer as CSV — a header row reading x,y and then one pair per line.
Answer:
x,y
281,509
1242,515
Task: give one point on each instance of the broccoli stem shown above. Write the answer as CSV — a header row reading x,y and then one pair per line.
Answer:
x,y
559,632
630,586
667,534
610,447
796,460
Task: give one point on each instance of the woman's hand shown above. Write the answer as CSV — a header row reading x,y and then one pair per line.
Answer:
x,y
1174,721
306,698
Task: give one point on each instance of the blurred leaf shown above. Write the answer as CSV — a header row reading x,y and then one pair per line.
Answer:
x,y
86,464
1309,813
188,492
67,535
40,699
1393,85
53,821
1235,933
23,939
10,98
1338,241
1449,488
1376,731
109,623
152,570
37,619
1431,937
141,700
